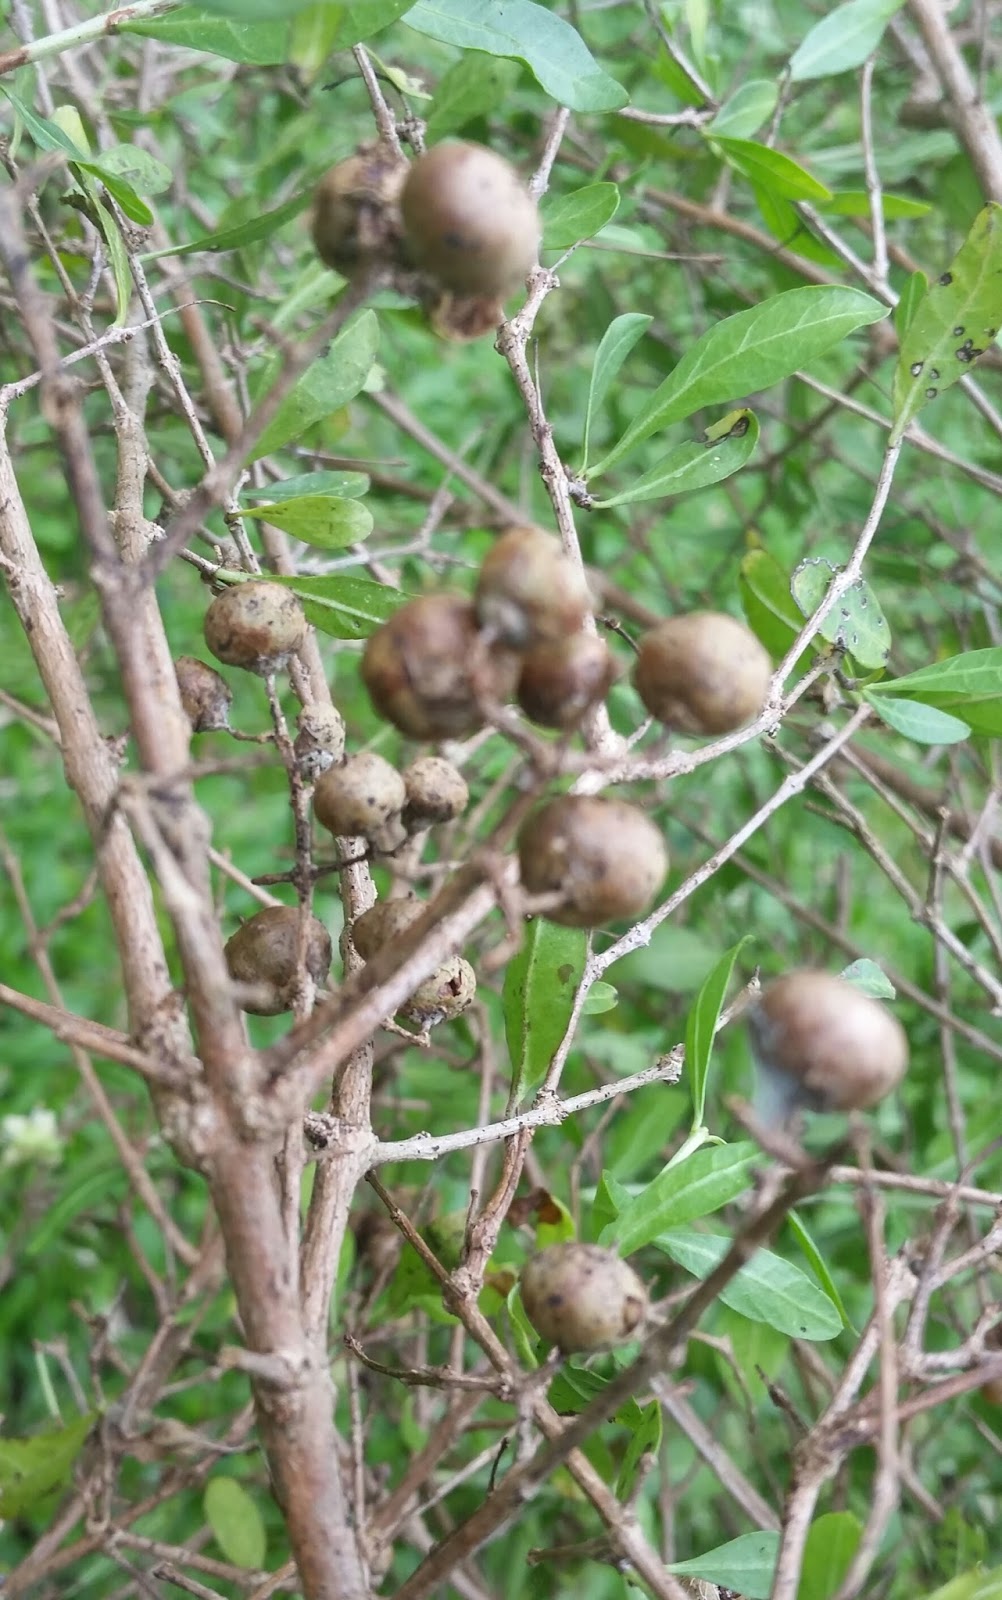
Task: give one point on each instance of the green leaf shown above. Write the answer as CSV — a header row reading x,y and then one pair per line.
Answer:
x,y
137,167
843,39
254,10
855,623
540,983
350,485
645,1440
345,608
701,1026
31,1468
616,343
323,520
955,322
553,51
768,1289
575,1387
771,169
831,1544
744,112
236,1523
817,1264
45,134
259,227
925,724
745,1564
258,44
695,466
856,203
362,19
909,300
573,217
711,1177
869,978
473,87
600,997
972,1586
970,683
750,351
332,380
767,602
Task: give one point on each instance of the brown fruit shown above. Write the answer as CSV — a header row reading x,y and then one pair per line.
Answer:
x,y
362,798
469,220
820,1043
450,989
255,625
582,1297
436,792
528,590
263,952
205,695
562,679
605,858
356,212
702,673
381,923
319,744
423,668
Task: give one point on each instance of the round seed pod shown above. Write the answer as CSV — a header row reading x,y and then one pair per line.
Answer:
x,y
582,1297
356,211
319,744
528,590
436,792
424,666
604,857
263,953
381,923
364,798
821,1044
702,673
468,219
205,695
562,679
255,625
450,989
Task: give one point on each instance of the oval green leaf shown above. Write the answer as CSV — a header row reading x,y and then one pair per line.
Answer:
x,y
745,1564
236,1523
750,351
711,1177
553,51
925,724
332,380
323,520
695,466
855,623
768,1289
577,216
344,607
537,999
843,39
771,169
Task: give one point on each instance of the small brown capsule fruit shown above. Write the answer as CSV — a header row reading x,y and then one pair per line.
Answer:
x,y
205,695
319,744
703,672
436,792
562,679
356,213
255,625
529,590
605,858
462,317
426,667
381,923
263,953
450,989
822,1044
363,797
582,1297
469,220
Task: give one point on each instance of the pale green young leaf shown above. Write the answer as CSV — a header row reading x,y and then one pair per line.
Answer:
x,y
348,484
831,1544
843,39
615,345
540,983
236,1522
324,520
744,112
573,217
855,623
554,52
745,1564
32,1468
924,723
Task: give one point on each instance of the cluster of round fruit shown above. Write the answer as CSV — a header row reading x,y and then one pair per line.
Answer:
x,y
820,1044
455,228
